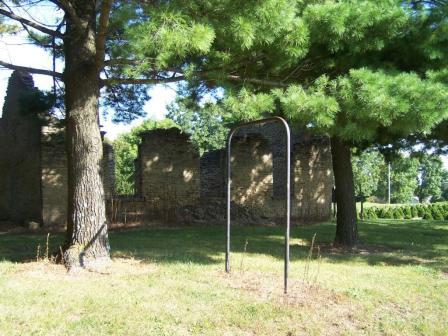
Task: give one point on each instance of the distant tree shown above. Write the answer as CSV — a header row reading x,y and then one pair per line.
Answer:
x,y
125,148
404,180
204,122
367,171
430,186
444,185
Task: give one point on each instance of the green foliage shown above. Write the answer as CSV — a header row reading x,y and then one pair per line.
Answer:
x,y
431,173
404,174
414,212
397,213
205,124
366,170
437,211
407,212
125,149
428,215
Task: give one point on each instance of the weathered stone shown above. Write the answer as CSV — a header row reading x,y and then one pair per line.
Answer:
x,y
33,165
169,168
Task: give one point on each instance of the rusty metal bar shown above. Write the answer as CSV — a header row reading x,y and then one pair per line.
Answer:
x,y
288,189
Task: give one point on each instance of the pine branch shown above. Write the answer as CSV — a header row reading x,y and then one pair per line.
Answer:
x,y
30,23
140,81
31,70
262,82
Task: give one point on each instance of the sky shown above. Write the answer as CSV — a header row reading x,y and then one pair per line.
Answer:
x,y
12,50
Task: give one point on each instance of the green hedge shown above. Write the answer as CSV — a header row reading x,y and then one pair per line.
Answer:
x,y
436,211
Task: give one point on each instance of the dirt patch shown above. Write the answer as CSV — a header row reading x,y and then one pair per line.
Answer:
x,y
335,310
118,267
268,287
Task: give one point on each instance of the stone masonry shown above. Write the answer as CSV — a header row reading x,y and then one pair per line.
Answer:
x,y
172,182
258,174
33,165
169,167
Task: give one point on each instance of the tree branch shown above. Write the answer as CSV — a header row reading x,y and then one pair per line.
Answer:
x,y
31,24
262,82
140,81
102,31
32,70
67,7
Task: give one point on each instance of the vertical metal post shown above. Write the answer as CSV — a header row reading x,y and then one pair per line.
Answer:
x,y
229,182
288,190
288,202
388,183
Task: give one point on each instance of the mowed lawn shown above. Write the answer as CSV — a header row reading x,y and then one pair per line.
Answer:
x,y
171,281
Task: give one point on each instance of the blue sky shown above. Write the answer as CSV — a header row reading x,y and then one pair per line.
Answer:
x,y
13,50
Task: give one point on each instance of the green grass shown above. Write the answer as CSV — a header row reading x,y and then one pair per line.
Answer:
x,y
170,281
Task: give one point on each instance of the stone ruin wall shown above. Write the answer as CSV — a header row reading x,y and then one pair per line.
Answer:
x,y
20,195
169,172
167,160
33,165
55,175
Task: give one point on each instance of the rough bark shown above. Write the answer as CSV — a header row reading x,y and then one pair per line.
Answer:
x,y
87,242
346,227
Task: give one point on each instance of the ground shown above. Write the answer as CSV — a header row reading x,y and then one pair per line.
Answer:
x,y
170,281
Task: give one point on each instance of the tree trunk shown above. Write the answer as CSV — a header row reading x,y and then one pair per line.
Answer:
x,y
87,243
346,226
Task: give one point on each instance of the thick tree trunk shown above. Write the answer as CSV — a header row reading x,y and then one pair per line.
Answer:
x,y
87,242
346,227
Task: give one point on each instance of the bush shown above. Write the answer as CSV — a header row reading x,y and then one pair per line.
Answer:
x,y
398,213
414,212
439,216
421,210
428,215
407,213
373,213
434,210
389,214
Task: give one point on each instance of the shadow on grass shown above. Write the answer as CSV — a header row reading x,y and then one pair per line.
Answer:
x,y
386,242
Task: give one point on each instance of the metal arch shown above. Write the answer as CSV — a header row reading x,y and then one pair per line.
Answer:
x,y
288,188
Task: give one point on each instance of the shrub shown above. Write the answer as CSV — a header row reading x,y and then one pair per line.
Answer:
x,y
389,214
407,213
414,212
378,212
428,215
434,210
398,213
421,210
373,213
438,216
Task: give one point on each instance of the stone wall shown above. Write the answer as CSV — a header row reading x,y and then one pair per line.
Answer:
x,y
168,168
252,177
33,164
312,179
259,173
20,194
54,176
213,174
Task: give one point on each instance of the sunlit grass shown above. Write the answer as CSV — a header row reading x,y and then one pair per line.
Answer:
x,y
171,282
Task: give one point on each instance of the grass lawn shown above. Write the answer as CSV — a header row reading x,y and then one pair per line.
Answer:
x,y
170,281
